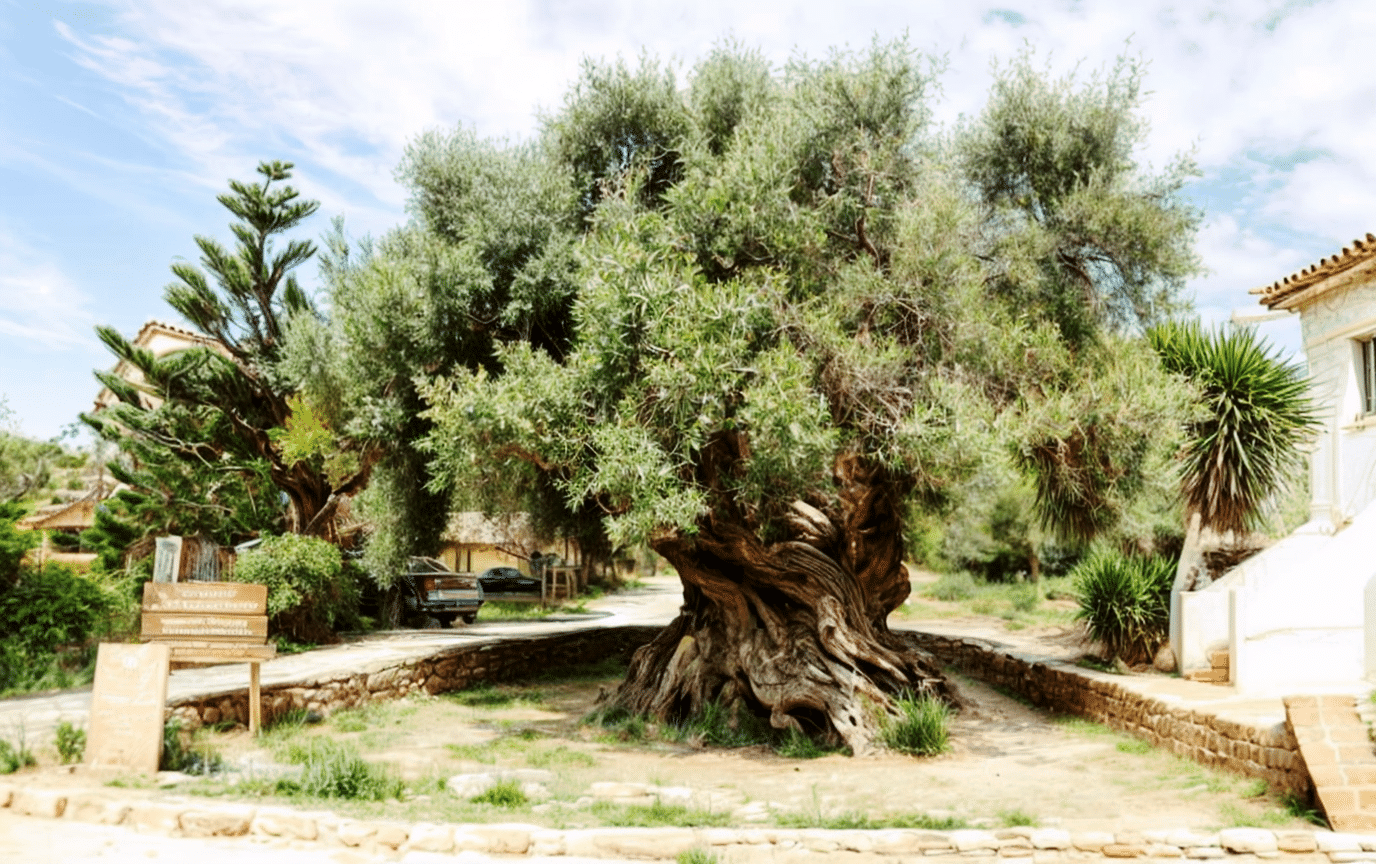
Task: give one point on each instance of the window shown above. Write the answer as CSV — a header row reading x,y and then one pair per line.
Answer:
x,y
1366,372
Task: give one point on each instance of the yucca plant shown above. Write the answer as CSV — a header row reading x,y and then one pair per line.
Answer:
x,y
1244,446
1125,602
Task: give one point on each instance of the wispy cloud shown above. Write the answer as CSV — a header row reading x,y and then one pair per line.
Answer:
x,y
39,304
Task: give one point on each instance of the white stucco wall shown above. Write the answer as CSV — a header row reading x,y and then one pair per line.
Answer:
x,y
1295,616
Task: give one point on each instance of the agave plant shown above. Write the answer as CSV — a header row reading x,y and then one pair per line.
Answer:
x,y
1125,602
1244,445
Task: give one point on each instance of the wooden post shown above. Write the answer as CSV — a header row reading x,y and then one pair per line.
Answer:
x,y
255,700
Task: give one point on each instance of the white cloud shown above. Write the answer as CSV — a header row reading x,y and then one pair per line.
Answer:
x,y
340,87
39,305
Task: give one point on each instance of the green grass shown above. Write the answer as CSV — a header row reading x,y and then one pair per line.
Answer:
x,y
13,757
696,856
1138,747
1019,604
608,667
334,769
488,695
854,819
1017,818
657,815
920,728
1298,807
499,610
559,757
506,794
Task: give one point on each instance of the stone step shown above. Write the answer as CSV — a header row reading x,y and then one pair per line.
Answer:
x,y
1339,757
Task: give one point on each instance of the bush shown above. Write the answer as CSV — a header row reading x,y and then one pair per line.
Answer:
x,y
310,595
335,770
506,793
12,757
920,728
1125,601
71,743
44,611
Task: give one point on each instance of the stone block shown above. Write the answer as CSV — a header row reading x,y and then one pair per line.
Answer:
x,y
354,833
155,818
390,835
1333,841
225,821
427,837
629,842
282,822
47,803
1051,838
1327,775
966,840
96,809
1296,842
1123,850
1090,841
1163,850
509,839
1243,841
1201,853
1187,839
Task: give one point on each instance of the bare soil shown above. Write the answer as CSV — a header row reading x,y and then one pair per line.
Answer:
x,y
1008,764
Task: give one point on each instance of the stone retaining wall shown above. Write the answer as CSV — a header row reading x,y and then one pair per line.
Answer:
x,y
182,818
452,668
1269,753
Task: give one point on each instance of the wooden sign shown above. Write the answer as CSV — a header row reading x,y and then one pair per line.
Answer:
x,y
212,622
230,628
127,704
217,598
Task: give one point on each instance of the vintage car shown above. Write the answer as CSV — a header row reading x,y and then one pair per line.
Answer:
x,y
431,592
507,580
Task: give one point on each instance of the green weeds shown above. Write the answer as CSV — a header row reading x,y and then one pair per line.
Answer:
x,y
333,769
506,794
657,815
71,743
920,728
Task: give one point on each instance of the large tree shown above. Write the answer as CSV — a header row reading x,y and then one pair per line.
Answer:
x,y
794,318
202,424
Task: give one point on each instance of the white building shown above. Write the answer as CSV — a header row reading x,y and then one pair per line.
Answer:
x,y
1296,615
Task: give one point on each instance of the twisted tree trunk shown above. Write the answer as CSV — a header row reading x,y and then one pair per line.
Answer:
x,y
794,630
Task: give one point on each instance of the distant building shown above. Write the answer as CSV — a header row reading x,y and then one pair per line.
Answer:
x,y
474,542
161,339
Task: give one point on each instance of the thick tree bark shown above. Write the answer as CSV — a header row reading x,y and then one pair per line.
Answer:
x,y
794,630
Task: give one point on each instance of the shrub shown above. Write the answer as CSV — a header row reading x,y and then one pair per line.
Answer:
x,y
309,593
952,587
180,753
332,769
919,728
44,611
505,793
71,743
1125,601
13,757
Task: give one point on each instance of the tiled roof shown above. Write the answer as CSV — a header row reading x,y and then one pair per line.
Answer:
x,y
1362,250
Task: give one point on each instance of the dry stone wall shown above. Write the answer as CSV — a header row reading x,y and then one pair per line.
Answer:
x,y
1270,753
453,668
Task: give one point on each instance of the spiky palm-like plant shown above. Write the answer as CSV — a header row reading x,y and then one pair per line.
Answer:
x,y
1244,446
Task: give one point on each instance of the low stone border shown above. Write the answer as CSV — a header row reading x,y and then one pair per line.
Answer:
x,y
1270,753
452,668
180,818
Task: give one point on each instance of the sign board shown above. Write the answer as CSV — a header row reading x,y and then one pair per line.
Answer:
x,y
167,559
211,622
233,628
128,700
218,598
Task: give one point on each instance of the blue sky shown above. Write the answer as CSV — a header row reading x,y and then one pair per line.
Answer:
x,y
121,121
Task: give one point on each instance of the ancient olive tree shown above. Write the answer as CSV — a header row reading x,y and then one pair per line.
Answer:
x,y
792,319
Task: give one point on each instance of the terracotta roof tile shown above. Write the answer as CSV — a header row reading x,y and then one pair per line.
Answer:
x,y
1362,250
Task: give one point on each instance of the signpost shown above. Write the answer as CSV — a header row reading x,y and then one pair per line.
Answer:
x,y
212,622
127,703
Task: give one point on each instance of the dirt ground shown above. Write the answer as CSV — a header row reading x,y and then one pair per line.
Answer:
x,y
1008,764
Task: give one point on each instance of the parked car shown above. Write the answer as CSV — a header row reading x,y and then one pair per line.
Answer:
x,y
431,590
507,580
